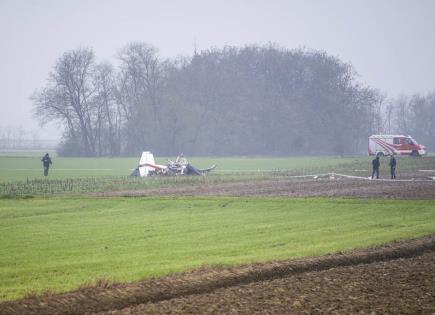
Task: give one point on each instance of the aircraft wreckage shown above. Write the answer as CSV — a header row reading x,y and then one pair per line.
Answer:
x,y
148,167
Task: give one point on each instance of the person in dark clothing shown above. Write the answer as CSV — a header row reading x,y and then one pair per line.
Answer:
x,y
393,164
376,164
46,162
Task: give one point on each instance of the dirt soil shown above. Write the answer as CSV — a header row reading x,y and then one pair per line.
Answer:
x,y
325,187
402,286
397,278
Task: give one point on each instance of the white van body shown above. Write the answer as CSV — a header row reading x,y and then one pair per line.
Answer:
x,y
381,145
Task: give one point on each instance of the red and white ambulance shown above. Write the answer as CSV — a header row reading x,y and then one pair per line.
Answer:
x,y
381,145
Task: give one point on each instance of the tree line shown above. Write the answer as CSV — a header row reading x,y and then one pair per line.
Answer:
x,y
252,100
413,115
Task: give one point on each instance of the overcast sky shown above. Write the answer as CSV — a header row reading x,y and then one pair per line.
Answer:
x,y
390,43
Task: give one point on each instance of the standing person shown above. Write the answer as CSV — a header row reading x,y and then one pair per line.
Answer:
x,y
393,164
46,161
376,164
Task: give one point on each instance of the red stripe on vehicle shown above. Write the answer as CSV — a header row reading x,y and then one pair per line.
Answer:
x,y
385,147
386,144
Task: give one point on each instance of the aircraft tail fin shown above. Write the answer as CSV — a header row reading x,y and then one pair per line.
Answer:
x,y
146,158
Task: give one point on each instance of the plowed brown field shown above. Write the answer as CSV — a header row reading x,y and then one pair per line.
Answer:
x,y
395,278
401,286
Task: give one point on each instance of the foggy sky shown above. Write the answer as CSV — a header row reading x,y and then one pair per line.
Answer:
x,y
389,42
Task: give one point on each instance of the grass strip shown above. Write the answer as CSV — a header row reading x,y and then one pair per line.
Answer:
x,y
58,244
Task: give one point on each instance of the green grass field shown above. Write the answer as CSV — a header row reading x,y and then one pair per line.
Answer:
x,y
14,168
49,241
58,244
20,175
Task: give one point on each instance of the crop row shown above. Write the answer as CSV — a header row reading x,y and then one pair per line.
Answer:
x,y
31,187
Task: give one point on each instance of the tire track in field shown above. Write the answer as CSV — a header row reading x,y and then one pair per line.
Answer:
x,y
399,286
115,297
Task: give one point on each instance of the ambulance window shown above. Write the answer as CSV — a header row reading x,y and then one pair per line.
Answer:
x,y
396,140
409,141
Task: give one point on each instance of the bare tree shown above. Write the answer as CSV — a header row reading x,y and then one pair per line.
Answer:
x,y
108,120
422,118
389,111
250,100
68,97
139,94
12,137
402,114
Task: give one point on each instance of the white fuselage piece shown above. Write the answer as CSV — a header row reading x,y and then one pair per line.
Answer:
x,y
147,164
146,159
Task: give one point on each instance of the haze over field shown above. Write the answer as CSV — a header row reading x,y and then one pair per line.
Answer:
x,y
205,156
387,42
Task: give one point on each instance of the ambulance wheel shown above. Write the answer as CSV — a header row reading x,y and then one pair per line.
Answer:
x,y
415,153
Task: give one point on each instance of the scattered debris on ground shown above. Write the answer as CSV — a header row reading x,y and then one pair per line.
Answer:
x,y
148,167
